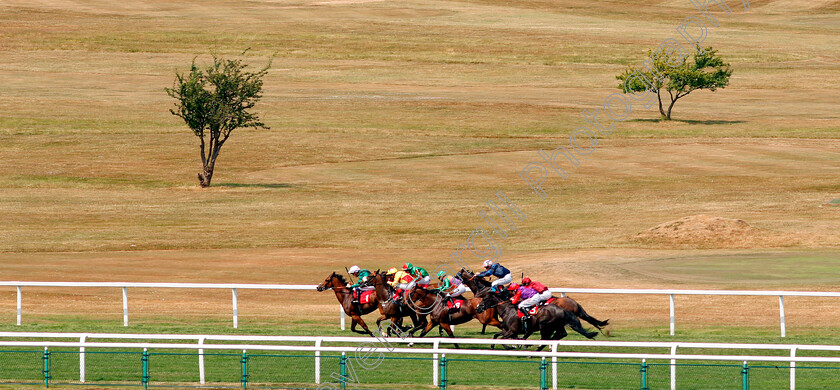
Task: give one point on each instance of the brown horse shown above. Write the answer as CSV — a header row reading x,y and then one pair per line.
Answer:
x,y
481,288
388,308
337,283
550,320
433,303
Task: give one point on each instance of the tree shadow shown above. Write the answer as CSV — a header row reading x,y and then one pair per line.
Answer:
x,y
253,185
690,121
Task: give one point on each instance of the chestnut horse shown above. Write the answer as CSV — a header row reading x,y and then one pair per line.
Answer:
x,y
337,283
481,287
388,308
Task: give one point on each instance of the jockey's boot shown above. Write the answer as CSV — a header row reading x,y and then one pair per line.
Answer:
x,y
526,320
356,296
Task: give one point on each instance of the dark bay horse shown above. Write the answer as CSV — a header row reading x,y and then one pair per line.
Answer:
x,y
481,287
337,283
550,320
389,309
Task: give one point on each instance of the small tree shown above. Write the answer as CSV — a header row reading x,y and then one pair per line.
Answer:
x,y
213,102
678,76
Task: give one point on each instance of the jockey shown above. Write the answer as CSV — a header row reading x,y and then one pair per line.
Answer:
x,y
400,281
361,285
449,282
527,298
420,275
540,288
503,274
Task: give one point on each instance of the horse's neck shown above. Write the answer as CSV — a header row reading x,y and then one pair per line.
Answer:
x,y
341,292
382,290
504,309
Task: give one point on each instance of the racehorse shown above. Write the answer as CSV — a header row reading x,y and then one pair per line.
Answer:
x,y
433,303
550,320
481,287
337,283
388,308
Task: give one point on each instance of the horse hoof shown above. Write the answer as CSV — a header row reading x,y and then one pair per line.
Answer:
x,y
410,345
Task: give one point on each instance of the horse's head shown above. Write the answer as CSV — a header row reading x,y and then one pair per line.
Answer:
x,y
330,282
492,299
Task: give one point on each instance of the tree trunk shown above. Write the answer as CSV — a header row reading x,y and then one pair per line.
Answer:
x,y
670,107
661,110
205,177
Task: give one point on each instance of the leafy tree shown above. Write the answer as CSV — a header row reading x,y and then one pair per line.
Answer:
x,y
214,101
676,75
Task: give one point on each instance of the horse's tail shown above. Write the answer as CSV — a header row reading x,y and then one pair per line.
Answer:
x,y
592,320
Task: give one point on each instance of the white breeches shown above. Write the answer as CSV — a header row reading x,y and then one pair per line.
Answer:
x,y
502,281
530,302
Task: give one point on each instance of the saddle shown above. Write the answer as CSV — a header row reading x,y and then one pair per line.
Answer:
x,y
364,298
454,303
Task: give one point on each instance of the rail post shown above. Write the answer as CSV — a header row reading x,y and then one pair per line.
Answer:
x,y
46,359
318,362
82,360
644,370
343,370
144,361
235,309
245,375
201,377
341,316
792,369
543,384
782,314
674,368
19,305
443,372
125,305
745,376
673,314
435,364
554,367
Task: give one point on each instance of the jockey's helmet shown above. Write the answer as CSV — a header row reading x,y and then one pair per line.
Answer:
x,y
354,270
407,266
526,281
513,286
488,263
441,274
391,271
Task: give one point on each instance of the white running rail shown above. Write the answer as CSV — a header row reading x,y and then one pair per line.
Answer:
x,y
276,343
563,291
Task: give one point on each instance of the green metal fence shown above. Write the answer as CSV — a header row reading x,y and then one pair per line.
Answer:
x,y
160,368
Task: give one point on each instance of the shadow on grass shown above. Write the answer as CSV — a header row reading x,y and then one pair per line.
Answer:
x,y
254,185
690,121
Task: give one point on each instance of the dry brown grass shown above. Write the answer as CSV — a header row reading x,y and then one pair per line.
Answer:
x,y
392,124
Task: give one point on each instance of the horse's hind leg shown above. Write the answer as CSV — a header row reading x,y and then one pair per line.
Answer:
x,y
448,330
545,334
483,328
574,323
357,319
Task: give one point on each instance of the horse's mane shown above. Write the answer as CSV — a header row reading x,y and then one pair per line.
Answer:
x,y
340,278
